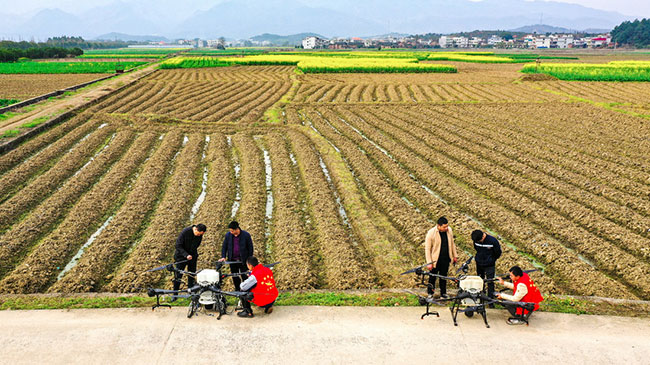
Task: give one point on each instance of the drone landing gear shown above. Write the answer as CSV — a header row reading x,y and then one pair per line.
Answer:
x,y
158,304
429,313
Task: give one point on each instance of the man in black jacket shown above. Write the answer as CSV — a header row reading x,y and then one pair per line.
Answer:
x,y
237,246
187,245
488,250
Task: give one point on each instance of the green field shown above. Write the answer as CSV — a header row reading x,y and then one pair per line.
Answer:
x,y
613,71
312,64
65,67
5,102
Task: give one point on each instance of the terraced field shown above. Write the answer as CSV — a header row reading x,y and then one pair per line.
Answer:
x,y
342,186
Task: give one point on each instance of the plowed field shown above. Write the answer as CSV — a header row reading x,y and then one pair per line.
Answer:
x,y
342,186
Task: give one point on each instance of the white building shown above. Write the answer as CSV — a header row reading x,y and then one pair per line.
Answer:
x,y
564,41
475,42
445,42
494,40
313,43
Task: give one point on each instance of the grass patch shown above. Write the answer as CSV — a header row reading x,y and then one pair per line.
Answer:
x,y
10,133
552,303
65,67
6,102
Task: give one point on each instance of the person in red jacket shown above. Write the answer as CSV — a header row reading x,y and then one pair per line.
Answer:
x,y
523,290
262,285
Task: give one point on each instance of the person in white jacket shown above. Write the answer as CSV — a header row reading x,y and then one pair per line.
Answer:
x,y
440,250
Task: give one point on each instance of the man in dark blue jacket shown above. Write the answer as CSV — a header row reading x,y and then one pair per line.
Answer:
x,y
187,246
488,250
237,246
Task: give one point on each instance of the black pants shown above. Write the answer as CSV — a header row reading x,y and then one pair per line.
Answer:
x,y
247,305
513,310
442,268
487,272
191,267
238,279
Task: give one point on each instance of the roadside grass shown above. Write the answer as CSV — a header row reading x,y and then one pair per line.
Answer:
x,y
552,303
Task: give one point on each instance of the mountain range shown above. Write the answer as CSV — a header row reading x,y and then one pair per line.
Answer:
x,y
243,19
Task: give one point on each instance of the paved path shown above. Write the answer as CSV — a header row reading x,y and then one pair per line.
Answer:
x,y
306,335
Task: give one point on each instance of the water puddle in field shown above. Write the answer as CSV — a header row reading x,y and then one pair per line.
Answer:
x,y
383,150
76,257
237,167
95,155
342,212
204,184
268,171
293,159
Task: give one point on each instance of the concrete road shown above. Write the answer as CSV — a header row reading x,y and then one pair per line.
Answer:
x,y
315,335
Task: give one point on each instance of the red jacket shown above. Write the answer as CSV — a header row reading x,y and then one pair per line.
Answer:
x,y
265,291
533,295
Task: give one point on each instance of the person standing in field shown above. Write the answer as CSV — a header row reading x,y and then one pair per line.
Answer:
x,y
440,250
237,246
488,251
187,245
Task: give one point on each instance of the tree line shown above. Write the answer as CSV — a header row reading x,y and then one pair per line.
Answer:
x,y
9,54
635,34
55,47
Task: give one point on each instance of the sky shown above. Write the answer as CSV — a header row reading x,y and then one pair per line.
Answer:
x,y
640,8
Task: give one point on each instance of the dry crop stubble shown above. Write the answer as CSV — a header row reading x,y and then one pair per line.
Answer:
x,y
567,231
560,162
434,207
288,240
17,177
215,210
47,259
21,153
376,234
482,160
104,253
171,215
47,183
344,262
609,139
16,242
400,256
25,86
251,212
560,262
531,167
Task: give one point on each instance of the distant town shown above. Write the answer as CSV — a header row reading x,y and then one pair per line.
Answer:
x,y
508,41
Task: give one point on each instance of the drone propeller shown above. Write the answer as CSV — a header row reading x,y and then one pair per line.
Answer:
x,y
465,266
230,262
166,266
444,277
270,266
506,276
415,269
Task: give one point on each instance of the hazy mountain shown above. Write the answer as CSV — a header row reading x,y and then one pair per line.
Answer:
x,y
246,18
129,37
51,22
120,17
542,29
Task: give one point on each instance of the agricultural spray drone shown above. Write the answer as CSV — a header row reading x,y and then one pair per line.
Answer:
x,y
207,293
471,296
